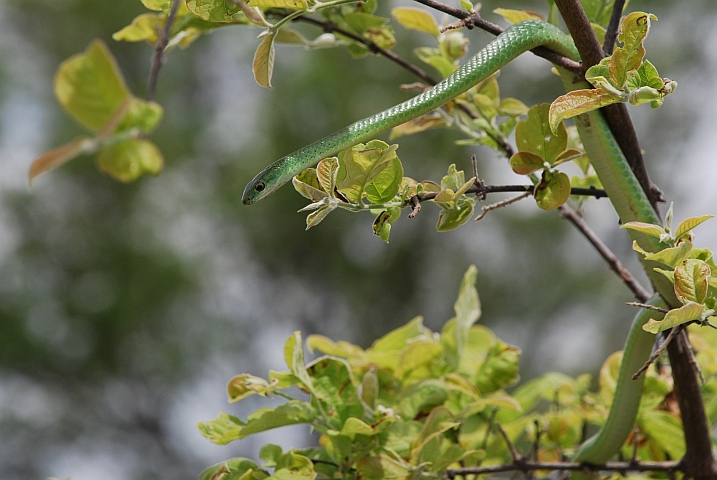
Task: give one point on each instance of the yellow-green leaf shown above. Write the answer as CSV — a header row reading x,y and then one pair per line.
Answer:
x,y
689,223
263,66
417,125
578,102
517,16
217,11
298,4
525,163
245,385
90,87
686,313
416,19
692,281
143,27
646,228
157,5
628,57
553,190
128,160
535,135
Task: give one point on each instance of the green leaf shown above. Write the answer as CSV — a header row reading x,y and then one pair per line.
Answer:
x,y
297,4
143,27
417,125
453,45
235,469
434,57
291,413
456,215
379,468
417,354
307,184
416,19
688,224
422,397
90,87
553,190
127,160
666,429
216,11
671,256
517,16
646,228
222,430
525,163
294,358
628,57
140,114
292,466
326,172
535,135
157,5
355,426
333,384
328,346
512,107
598,11
263,65
467,308
371,171
499,369
271,454
686,313
245,385
578,102
382,223
692,281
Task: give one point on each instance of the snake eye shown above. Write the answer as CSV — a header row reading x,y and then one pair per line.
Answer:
x,y
260,186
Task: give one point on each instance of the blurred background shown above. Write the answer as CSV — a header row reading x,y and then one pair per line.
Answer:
x,y
124,309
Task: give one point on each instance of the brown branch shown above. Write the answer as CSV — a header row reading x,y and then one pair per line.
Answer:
x,y
159,57
616,115
614,263
525,466
658,351
612,28
698,460
471,20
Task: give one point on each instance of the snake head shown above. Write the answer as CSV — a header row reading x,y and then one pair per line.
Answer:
x,y
265,183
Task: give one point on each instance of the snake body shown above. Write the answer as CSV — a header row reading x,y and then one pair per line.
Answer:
x,y
611,166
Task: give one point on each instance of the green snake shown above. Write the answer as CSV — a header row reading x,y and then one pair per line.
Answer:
x,y
608,161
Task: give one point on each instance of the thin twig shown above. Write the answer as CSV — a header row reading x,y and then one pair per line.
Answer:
x,y
566,466
691,353
611,34
472,20
158,58
647,306
614,263
504,203
517,457
658,351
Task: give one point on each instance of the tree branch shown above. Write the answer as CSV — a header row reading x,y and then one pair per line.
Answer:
x,y
158,58
471,20
528,466
698,460
616,115
613,26
614,263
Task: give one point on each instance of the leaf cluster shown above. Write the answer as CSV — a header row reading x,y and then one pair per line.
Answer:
x,y
417,402
369,177
691,270
625,76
